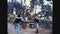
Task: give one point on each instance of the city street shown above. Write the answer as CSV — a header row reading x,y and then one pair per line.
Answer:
x,y
11,30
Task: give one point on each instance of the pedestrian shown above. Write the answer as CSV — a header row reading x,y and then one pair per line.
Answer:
x,y
36,24
24,24
17,24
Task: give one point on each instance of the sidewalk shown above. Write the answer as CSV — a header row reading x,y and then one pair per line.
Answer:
x,y
11,30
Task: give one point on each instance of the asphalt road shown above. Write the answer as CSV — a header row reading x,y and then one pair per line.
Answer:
x,y
11,30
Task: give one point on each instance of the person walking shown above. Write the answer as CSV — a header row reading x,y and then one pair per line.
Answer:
x,y
36,24
17,24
